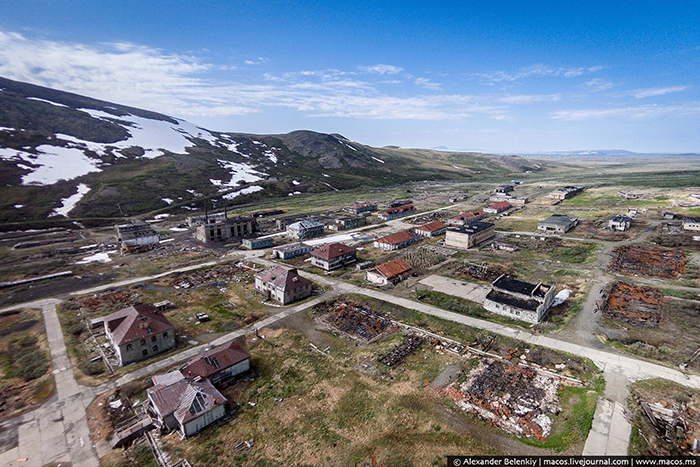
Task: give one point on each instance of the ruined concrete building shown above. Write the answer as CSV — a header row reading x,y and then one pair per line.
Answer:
x,y
504,189
466,217
560,194
134,237
256,243
225,229
291,250
389,273
519,299
138,332
195,221
398,211
345,223
690,223
359,208
282,285
620,223
629,195
218,365
497,207
333,256
305,229
469,235
557,223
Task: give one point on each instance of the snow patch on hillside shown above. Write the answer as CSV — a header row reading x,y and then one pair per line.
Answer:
x,y
54,164
378,160
240,171
48,102
244,191
67,204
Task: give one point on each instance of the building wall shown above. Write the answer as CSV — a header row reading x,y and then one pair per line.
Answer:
x,y
207,418
467,240
231,371
335,263
691,225
133,351
547,227
375,278
168,421
511,312
305,233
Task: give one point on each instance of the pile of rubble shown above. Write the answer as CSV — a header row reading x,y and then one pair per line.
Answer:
x,y
218,276
515,398
638,306
677,428
430,217
400,353
440,250
110,300
647,261
422,258
480,272
359,322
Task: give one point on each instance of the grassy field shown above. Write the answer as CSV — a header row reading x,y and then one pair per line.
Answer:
x,y
341,408
25,380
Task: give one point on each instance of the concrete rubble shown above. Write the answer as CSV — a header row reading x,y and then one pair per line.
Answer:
x,y
646,261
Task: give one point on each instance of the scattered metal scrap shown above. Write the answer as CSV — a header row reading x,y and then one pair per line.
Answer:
x,y
675,424
430,217
647,261
359,322
109,300
635,305
479,271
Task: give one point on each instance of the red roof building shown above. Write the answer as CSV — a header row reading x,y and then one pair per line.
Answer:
x,y
396,241
389,273
467,217
282,285
332,256
432,229
218,364
138,332
495,208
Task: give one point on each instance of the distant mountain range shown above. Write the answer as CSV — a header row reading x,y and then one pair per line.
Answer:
x,y
605,153
63,155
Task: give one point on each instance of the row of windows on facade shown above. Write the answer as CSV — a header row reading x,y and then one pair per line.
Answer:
x,y
143,342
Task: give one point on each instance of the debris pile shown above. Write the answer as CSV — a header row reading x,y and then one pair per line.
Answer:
x,y
359,322
217,276
638,306
440,250
677,428
515,398
422,258
109,301
647,261
398,354
481,272
429,217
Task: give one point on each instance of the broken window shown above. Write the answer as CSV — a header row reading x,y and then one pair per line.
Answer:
x,y
143,342
153,339
129,347
165,334
155,348
145,352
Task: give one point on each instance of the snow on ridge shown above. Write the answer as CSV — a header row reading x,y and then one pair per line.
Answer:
x,y
240,171
167,200
19,206
6,128
378,160
244,191
67,204
294,182
102,257
47,101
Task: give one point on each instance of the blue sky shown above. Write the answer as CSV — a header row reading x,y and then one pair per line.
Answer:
x,y
494,76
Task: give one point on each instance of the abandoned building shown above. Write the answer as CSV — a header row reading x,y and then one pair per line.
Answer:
x,y
138,332
345,223
256,243
620,223
185,405
398,203
557,223
195,221
668,215
219,365
431,229
466,217
332,256
469,235
497,245
519,299
398,211
629,194
495,208
513,200
359,208
136,236
504,189
291,250
305,229
392,272
560,194
225,229
690,223
282,285
396,241
694,197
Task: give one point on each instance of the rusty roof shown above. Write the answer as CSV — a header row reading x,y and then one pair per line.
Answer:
x,y
396,238
393,268
501,205
215,360
283,279
185,399
432,226
469,215
135,323
332,250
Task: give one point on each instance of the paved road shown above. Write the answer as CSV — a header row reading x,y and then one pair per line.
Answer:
x,y
57,432
467,290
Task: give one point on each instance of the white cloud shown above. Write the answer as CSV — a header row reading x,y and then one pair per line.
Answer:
x,y
259,61
537,70
599,84
381,69
638,112
427,84
653,92
527,99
